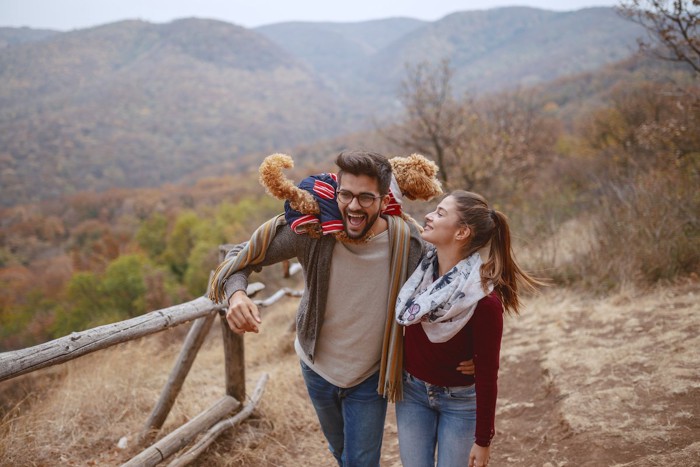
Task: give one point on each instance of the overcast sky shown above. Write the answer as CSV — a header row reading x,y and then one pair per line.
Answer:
x,y
76,14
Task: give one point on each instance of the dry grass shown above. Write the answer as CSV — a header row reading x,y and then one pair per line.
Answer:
x,y
629,356
78,412
584,381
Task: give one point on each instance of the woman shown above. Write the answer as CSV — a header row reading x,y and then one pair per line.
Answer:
x,y
452,307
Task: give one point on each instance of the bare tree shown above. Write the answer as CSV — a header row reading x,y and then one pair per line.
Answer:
x,y
434,121
493,144
509,139
674,24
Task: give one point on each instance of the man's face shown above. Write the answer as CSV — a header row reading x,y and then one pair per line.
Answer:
x,y
357,219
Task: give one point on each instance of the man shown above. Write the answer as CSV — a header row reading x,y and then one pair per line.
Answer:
x,y
344,322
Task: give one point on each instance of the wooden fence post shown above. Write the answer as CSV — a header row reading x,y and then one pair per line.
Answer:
x,y
234,361
193,341
234,351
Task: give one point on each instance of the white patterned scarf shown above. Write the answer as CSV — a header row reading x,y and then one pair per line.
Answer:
x,y
442,306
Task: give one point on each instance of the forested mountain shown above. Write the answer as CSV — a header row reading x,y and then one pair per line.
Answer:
x,y
134,104
137,104
324,45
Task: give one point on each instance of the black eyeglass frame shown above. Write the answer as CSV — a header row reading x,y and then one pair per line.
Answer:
x,y
364,199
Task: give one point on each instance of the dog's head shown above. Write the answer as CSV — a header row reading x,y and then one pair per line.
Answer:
x,y
416,177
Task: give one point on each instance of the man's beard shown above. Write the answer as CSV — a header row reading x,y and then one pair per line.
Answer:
x,y
365,234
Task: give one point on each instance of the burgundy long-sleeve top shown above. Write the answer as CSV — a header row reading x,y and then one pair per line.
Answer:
x,y
480,339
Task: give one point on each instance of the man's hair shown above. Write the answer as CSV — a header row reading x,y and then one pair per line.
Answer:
x,y
367,163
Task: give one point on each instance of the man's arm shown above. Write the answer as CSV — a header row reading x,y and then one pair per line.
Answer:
x,y
242,314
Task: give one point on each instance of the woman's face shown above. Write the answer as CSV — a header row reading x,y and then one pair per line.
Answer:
x,y
442,226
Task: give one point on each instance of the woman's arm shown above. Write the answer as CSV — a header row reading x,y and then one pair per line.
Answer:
x,y
487,331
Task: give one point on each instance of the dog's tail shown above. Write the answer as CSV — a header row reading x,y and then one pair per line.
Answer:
x,y
279,186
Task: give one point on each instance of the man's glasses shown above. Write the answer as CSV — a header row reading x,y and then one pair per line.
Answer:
x,y
365,199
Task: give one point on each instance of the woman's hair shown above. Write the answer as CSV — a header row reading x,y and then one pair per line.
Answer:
x,y
368,163
501,269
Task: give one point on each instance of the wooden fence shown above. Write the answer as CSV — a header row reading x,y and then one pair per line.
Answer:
x,y
213,421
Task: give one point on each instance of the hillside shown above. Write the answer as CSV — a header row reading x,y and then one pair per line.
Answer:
x,y
134,104
329,46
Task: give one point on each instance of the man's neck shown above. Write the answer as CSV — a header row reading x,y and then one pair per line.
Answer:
x,y
379,226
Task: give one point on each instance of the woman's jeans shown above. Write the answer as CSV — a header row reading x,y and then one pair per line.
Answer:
x,y
352,419
430,416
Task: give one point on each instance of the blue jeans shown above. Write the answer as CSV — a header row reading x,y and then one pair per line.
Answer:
x,y
435,416
352,419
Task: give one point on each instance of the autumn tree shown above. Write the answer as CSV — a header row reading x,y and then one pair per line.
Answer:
x,y
151,235
673,24
645,125
492,144
124,286
646,153
509,139
83,305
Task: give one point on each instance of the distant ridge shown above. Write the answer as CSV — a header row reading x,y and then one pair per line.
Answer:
x,y
14,36
490,49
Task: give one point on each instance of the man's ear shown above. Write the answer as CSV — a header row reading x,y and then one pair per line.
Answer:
x,y
384,202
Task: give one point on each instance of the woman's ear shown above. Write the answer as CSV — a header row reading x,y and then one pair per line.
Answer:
x,y
463,233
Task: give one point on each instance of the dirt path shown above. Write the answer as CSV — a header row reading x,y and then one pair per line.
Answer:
x,y
612,382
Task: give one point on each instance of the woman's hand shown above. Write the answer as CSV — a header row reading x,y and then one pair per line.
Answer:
x,y
466,367
479,456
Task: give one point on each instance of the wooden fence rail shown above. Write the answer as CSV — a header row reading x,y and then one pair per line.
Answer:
x,y
203,310
77,344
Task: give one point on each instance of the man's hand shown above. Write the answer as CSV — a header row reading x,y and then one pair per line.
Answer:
x,y
466,367
242,314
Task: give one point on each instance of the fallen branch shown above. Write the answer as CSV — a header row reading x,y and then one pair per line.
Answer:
x,y
179,438
223,425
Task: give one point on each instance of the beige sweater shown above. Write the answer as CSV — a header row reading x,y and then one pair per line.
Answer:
x,y
353,324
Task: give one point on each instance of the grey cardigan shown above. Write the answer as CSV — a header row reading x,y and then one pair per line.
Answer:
x,y
314,255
